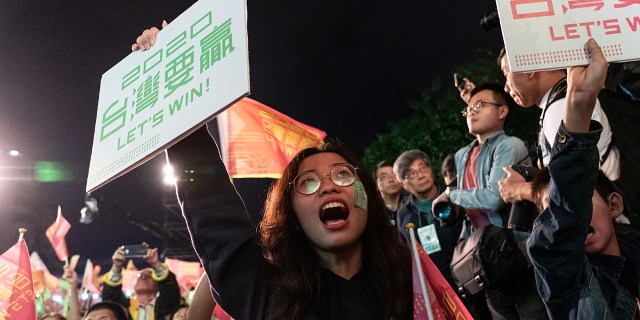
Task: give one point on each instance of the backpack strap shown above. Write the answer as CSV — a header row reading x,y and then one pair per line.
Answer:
x,y
604,97
558,91
606,153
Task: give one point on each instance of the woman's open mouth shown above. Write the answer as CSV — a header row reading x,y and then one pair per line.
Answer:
x,y
334,214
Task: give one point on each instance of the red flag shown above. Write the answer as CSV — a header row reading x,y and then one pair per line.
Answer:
x,y
16,287
220,313
187,273
87,278
445,304
56,232
258,142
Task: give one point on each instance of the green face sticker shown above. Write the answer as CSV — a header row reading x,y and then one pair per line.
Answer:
x,y
360,195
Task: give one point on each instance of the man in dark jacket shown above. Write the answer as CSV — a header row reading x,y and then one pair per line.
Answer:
x,y
157,293
413,169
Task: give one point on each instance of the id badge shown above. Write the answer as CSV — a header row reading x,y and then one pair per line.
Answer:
x,y
429,239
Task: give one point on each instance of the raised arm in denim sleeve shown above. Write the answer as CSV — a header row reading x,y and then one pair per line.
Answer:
x,y
508,151
556,244
220,228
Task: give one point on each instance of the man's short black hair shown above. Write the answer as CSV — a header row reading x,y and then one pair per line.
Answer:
x,y
448,165
498,93
383,163
539,186
119,311
502,53
604,187
181,306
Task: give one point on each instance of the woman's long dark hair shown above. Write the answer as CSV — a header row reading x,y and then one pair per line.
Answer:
x,y
385,259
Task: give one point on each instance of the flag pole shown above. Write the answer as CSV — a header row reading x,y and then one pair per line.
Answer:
x,y
416,258
22,232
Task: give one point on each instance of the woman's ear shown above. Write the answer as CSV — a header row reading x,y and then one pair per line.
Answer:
x,y
616,205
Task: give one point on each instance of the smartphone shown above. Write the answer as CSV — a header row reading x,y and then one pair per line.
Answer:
x,y
135,250
458,81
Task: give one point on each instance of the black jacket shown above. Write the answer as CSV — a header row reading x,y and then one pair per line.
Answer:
x,y
167,301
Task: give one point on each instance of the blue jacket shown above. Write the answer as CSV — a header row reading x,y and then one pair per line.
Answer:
x,y
498,151
572,284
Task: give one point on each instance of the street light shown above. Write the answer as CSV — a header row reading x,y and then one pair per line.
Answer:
x,y
169,178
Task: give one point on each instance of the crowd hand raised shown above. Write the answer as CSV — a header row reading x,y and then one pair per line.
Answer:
x,y
118,260
583,85
465,93
147,39
509,187
152,258
70,274
95,277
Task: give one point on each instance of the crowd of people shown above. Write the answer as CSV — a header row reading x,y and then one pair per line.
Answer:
x,y
332,243
156,294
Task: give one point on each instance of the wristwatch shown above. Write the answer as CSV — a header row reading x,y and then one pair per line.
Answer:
x,y
448,190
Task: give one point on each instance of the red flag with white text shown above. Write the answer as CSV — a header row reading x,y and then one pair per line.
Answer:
x,y
258,142
445,304
16,285
56,233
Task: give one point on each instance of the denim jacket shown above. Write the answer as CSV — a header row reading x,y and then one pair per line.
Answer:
x,y
498,151
572,284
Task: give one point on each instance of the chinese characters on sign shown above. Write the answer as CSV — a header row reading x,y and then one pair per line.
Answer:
x,y
178,70
546,34
198,66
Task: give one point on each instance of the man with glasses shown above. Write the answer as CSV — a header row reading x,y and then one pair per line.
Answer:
x,y
479,164
413,169
390,189
479,168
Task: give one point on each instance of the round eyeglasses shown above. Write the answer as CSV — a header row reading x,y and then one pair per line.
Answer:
x,y
477,106
308,182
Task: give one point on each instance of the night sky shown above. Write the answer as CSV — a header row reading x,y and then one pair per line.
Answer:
x,y
346,67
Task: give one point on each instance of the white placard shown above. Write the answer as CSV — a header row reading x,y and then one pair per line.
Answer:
x,y
198,66
552,34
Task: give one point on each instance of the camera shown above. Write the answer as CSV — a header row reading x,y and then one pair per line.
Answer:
x,y
446,211
523,212
490,20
